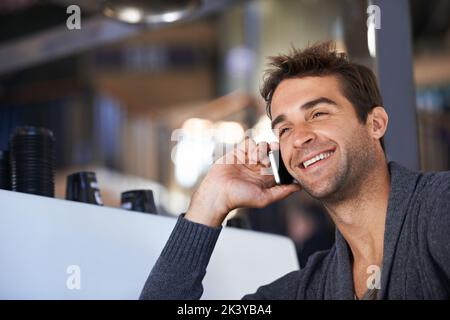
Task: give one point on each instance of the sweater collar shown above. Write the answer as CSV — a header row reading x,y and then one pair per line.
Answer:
x,y
403,183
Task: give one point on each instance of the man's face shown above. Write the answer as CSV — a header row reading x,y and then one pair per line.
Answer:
x,y
322,142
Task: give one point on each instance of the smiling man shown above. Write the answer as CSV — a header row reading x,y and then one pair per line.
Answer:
x,y
392,223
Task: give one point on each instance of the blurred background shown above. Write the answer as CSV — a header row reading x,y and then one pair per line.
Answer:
x,y
116,88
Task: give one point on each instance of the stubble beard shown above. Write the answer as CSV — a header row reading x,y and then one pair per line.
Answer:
x,y
356,163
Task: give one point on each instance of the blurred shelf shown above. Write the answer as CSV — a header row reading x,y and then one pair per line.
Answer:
x,y
432,70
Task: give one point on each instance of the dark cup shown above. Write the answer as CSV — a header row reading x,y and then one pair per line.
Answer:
x,y
5,173
83,187
32,161
139,200
239,222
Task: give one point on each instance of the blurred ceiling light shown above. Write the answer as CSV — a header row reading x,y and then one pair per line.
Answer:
x,y
190,161
228,132
169,17
194,151
150,12
262,131
130,15
196,127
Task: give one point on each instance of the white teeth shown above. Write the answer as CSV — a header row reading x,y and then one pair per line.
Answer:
x,y
321,156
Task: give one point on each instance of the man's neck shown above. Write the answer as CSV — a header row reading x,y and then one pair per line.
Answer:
x,y
361,217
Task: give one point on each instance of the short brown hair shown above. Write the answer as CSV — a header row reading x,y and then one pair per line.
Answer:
x,y
359,84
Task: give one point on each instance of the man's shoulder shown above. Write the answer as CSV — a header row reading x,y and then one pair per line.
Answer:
x,y
422,181
437,216
436,183
434,195
429,192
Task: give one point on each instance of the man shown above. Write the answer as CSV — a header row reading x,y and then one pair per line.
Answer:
x,y
391,222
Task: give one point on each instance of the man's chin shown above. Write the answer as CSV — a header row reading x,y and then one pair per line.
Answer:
x,y
318,195
327,186
319,192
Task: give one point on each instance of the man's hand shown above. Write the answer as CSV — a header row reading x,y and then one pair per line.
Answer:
x,y
236,181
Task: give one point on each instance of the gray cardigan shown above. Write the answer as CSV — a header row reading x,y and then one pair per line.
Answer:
x,y
416,262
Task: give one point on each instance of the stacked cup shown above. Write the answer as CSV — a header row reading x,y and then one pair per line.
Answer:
x,y
5,176
139,200
33,161
83,187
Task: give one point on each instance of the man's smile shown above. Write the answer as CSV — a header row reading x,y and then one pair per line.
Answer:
x,y
315,160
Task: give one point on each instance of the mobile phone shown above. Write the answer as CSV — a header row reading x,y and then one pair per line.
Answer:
x,y
281,175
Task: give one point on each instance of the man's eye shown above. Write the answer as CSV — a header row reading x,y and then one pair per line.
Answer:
x,y
318,114
283,130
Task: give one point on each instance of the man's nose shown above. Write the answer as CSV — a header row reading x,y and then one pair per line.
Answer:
x,y
303,137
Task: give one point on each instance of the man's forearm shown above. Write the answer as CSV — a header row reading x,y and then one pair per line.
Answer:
x,y
181,267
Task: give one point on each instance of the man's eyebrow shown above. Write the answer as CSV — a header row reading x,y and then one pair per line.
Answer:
x,y
305,106
277,120
313,103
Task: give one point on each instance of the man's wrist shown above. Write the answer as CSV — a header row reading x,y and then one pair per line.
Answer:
x,y
204,216
203,210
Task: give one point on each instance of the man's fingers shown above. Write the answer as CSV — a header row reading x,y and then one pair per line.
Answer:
x,y
259,154
242,150
274,146
249,152
280,192
253,155
263,158
247,145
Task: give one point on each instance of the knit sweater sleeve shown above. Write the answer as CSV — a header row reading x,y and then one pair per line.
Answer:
x,y
284,288
181,267
439,222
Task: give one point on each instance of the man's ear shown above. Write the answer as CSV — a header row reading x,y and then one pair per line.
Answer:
x,y
378,122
